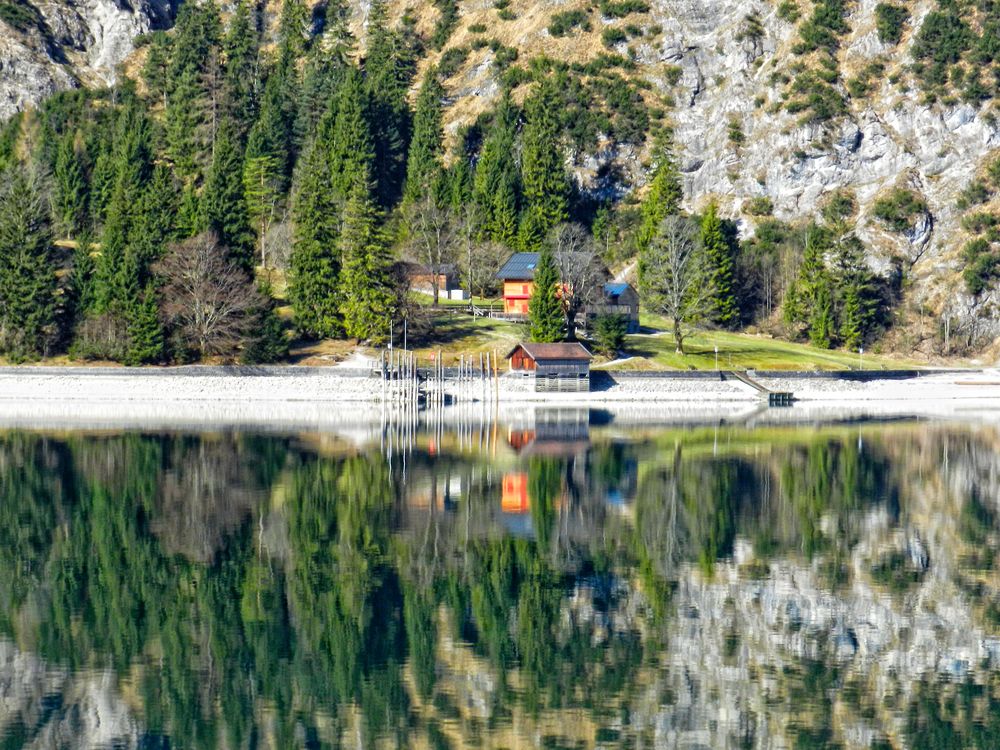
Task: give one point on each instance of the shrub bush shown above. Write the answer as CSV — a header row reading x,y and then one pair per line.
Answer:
x,y
612,36
889,20
899,209
976,193
760,205
622,8
562,23
943,37
609,334
452,60
981,267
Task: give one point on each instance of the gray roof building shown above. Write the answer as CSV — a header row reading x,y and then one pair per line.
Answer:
x,y
520,266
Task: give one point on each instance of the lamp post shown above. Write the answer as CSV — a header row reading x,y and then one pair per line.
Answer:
x,y
716,357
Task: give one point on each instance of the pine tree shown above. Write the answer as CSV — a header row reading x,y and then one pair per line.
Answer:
x,y
314,278
155,73
27,272
81,279
70,183
389,69
858,293
325,69
191,219
665,193
132,168
241,76
543,173
263,183
545,312
293,28
352,154
269,344
458,182
496,184
145,331
424,163
811,302
191,83
821,321
720,258
368,297
224,198
153,225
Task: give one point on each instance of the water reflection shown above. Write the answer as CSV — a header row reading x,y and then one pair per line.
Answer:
x,y
555,582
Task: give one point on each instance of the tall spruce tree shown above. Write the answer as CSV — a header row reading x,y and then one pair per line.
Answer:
x,y
325,68
132,168
822,327
241,72
192,88
314,278
857,291
496,184
156,71
665,194
27,271
224,197
70,183
145,331
810,301
351,149
545,311
389,69
424,164
543,172
720,260
368,297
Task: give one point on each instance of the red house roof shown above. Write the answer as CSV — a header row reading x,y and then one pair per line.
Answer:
x,y
544,352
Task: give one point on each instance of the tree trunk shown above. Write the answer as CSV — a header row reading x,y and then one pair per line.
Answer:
x,y
678,336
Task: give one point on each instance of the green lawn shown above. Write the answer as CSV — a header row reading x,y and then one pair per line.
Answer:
x,y
739,351
456,333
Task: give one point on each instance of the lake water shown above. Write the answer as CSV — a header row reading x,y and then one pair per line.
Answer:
x,y
564,582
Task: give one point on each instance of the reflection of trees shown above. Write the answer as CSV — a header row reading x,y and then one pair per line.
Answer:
x,y
226,644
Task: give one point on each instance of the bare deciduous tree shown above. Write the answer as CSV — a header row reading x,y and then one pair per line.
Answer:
x,y
674,278
581,273
210,303
277,245
435,235
485,260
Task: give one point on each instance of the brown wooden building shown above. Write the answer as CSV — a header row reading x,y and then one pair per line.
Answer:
x,y
554,366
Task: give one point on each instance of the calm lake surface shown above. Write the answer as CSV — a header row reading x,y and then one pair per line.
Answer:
x,y
561,583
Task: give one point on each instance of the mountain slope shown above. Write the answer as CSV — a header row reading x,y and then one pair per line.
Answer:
x,y
777,109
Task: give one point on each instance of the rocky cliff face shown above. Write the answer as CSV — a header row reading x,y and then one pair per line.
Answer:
x,y
70,44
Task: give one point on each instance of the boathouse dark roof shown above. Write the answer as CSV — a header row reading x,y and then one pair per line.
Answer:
x,y
548,352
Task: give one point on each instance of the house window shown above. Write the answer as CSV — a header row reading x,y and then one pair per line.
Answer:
x,y
524,289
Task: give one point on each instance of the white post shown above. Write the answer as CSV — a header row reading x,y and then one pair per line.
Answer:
x,y
861,358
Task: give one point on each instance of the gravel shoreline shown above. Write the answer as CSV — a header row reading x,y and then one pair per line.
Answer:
x,y
293,398
326,386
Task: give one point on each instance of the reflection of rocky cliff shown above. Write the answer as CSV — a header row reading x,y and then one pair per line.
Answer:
x,y
716,588
43,707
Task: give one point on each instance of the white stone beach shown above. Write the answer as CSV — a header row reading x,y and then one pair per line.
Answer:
x,y
320,398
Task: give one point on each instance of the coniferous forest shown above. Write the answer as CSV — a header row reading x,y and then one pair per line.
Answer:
x,y
154,221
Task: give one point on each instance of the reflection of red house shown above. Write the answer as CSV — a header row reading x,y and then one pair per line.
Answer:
x,y
518,439
514,497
